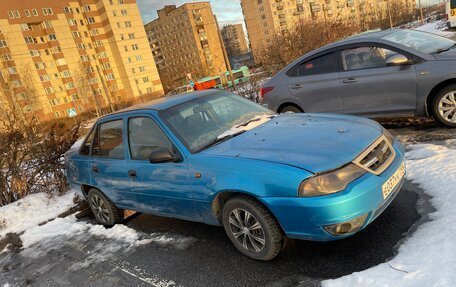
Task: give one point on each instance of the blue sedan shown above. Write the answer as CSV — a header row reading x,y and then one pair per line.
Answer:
x,y
217,158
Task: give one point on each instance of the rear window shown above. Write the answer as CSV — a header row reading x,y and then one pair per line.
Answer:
x,y
108,141
322,65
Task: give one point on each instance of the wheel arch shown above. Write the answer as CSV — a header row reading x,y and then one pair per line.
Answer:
x,y
434,91
222,197
283,105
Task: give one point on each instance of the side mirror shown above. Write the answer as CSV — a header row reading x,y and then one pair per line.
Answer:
x,y
161,155
398,60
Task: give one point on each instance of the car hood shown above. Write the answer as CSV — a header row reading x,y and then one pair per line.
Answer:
x,y
448,55
314,142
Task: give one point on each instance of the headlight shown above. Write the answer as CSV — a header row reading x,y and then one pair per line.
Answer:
x,y
388,136
330,182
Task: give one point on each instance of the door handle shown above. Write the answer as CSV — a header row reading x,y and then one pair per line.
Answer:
x,y
132,174
95,168
350,80
296,87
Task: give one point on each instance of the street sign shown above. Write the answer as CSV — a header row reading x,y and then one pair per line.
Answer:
x,y
72,112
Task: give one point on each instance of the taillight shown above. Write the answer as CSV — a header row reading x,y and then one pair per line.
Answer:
x,y
265,90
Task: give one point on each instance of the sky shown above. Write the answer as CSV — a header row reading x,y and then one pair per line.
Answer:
x,y
227,11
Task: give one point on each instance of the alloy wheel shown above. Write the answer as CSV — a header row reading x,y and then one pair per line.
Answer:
x,y
447,107
99,209
247,230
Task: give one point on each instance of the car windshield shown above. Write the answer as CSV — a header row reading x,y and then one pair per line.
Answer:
x,y
206,120
424,42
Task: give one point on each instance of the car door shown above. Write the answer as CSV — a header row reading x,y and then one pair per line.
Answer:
x,y
108,171
371,87
314,83
160,188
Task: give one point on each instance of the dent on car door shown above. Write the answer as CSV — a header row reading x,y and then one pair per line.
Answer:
x,y
370,84
107,164
159,188
315,84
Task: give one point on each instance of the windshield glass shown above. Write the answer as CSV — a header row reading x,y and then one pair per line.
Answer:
x,y
423,42
199,122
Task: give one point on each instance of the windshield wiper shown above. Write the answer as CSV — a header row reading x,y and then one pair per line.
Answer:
x,y
444,49
219,140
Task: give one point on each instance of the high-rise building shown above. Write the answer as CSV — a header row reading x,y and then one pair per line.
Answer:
x,y
265,18
61,58
234,39
185,43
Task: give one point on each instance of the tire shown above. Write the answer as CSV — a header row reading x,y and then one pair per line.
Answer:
x,y
290,109
109,214
262,227
445,102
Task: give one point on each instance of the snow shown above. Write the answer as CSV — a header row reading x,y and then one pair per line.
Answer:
x,y
254,122
436,28
31,211
427,257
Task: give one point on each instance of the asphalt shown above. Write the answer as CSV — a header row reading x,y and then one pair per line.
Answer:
x,y
211,260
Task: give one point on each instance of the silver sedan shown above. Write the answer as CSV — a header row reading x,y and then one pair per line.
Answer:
x,y
380,74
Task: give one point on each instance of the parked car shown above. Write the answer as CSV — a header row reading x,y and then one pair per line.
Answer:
x,y
217,158
378,74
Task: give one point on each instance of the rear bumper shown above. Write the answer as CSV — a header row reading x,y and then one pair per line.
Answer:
x,y
305,218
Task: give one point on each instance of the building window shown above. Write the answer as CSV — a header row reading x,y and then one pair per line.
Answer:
x,y
69,85
16,14
138,58
71,22
25,27
7,57
74,97
3,44
44,78
34,12
27,13
123,12
102,55
145,79
47,24
47,11
90,20
126,48
86,8
34,53
110,77
76,34
65,74
131,36
50,90
11,14
135,47
127,24
67,10
106,65
52,37
12,70
30,40
60,62
120,1
40,65
142,69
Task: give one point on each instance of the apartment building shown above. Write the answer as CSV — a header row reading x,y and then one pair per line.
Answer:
x,y
234,40
62,58
265,18
185,44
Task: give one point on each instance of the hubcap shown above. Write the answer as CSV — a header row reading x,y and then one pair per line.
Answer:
x,y
99,209
447,107
247,230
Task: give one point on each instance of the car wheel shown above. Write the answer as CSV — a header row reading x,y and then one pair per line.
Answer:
x,y
104,210
252,228
444,106
290,109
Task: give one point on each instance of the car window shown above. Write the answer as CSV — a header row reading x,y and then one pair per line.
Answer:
x,y
85,149
144,137
322,65
365,58
108,141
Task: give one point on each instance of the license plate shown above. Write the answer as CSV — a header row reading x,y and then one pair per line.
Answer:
x,y
393,181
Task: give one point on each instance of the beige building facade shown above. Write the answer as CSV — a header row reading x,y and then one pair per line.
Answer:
x,y
234,40
63,58
185,44
265,18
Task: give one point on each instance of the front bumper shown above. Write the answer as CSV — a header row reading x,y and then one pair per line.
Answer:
x,y
305,218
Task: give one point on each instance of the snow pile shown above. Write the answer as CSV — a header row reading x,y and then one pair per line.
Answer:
x,y
427,258
253,123
31,211
436,28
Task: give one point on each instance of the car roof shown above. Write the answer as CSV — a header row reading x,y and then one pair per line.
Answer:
x,y
163,103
